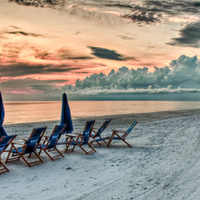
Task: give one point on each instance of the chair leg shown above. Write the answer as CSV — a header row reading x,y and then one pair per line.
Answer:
x,y
109,142
3,167
59,152
127,143
39,157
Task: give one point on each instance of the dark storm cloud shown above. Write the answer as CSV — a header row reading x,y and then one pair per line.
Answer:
x,y
24,33
189,36
37,2
64,53
39,85
106,53
21,69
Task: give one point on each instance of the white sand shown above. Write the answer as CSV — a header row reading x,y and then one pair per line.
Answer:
x,y
164,163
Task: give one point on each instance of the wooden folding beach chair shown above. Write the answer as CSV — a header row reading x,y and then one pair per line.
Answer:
x,y
4,143
81,140
123,137
97,134
50,142
28,148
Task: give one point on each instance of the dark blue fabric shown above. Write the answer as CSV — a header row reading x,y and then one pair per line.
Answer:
x,y
38,132
2,131
116,138
31,144
2,113
20,149
87,131
102,128
98,140
5,142
66,115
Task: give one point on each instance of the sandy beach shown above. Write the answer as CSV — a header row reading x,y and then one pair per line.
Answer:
x,y
164,162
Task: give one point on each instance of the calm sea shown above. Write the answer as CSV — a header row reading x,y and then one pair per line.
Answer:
x,y
37,111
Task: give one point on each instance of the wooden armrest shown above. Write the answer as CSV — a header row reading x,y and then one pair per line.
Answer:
x,y
46,136
95,128
17,143
118,131
24,139
78,134
73,135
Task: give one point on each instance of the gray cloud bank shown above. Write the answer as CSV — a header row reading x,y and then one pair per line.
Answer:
x,y
145,12
179,81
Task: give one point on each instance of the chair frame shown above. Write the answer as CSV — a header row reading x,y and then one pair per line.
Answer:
x,y
97,134
46,142
17,155
123,137
78,136
2,165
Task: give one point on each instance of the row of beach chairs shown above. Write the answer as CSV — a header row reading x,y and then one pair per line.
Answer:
x,y
38,142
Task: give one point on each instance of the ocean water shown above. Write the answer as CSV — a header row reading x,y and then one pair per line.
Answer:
x,y
38,111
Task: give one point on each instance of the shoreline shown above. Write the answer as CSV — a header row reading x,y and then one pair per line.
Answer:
x,y
141,117
118,121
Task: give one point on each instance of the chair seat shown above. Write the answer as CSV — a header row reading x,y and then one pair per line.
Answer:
x,y
74,143
41,145
116,138
99,139
20,149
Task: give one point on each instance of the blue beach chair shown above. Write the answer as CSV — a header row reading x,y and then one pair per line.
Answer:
x,y
4,143
123,137
97,134
50,142
28,148
82,139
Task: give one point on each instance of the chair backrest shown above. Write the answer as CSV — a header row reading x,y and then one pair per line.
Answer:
x,y
129,129
102,128
2,131
38,132
87,131
34,139
55,136
5,141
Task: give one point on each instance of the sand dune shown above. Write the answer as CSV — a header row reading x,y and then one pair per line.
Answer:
x,y
164,163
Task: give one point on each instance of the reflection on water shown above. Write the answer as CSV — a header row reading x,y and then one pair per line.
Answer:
x,y
36,111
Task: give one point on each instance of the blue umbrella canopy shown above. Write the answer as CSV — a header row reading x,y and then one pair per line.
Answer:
x,y
2,113
66,115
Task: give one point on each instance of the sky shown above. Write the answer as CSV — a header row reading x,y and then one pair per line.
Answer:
x,y
99,50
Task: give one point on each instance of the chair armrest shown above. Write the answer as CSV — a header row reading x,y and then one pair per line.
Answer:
x,y
47,136
73,135
78,134
24,139
18,143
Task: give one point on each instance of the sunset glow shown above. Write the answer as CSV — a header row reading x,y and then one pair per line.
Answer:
x,y
47,47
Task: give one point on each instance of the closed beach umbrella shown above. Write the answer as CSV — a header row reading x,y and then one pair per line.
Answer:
x,y
66,115
2,113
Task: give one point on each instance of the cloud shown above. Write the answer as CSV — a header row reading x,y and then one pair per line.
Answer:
x,y
142,12
180,77
106,53
189,36
22,69
24,33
